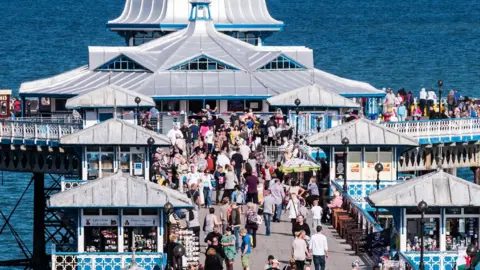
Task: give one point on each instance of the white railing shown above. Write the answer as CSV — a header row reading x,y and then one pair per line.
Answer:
x,y
36,130
437,128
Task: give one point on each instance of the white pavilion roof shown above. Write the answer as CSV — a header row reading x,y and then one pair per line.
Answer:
x,y
118,191
312,96
200,38
437,189
172,15
114,132
361,132
109,96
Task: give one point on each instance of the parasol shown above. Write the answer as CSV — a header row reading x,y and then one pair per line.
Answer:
x,y
299,165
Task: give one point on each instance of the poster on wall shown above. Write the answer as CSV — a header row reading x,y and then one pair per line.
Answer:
x,y
339,166
386,160
100,221
139,221
369,172
138,168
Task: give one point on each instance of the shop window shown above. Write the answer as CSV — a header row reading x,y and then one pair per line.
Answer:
x,y
431,233
203,63
60,104
371,149
461,232
471,210
385,149
109,212
282,63
122,63
453,211
93,165
125,161
255,105
101,239
107,162
170,106
102,117
131,212
235,105
195,106
144,238
99,162
149,212
91,212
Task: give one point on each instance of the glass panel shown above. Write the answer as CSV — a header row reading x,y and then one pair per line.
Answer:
x,y
107,148
137,160
93,165
125,161
471,210
60,104
235,105
453,211
255,105
131,212
431,231
145,239
91,212
149,212
414,211
461,232
101,239
107,164
109,212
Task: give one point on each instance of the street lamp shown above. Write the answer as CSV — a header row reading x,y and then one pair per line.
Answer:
x,y
471,252
345,143
422,207
440,84
138,100
297,103
151,141
378,168
319,119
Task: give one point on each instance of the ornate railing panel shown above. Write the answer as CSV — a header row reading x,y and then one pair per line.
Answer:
x,y
433,260
12,129
359,189
104,261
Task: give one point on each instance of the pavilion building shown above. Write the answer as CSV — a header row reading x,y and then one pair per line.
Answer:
x,y
186,69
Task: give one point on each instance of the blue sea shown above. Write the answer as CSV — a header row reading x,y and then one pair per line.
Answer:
x,y
410,44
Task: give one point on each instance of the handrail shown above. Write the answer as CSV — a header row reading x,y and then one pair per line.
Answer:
x,y
369,218
407,260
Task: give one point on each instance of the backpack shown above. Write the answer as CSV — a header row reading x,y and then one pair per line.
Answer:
x,y
254,218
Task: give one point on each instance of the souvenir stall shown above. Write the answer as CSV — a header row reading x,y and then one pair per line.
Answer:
x,y
116,214
438,208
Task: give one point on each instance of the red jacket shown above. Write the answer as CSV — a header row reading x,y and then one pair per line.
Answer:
x,y
271,172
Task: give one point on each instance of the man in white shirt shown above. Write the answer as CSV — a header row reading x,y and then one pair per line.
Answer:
x,y
172,134
222,159
319,249
245,151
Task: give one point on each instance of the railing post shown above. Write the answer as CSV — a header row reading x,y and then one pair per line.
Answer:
x,y
48,132
24,131
59,132
35,133
12,130
158,123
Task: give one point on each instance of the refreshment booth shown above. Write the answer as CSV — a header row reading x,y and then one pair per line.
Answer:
x,y
442,209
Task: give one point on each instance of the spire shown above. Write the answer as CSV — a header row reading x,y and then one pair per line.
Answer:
x,y
200,10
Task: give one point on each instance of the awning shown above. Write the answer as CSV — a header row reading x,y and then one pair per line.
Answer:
x,y
437,189
108,97
312,95
118,191
114,132
361,132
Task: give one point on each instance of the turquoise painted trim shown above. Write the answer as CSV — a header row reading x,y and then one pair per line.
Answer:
x,y
363,95
409,261
229,67
442,212
448,139
274,27
161,214
110,253
109,107
219,97
433,120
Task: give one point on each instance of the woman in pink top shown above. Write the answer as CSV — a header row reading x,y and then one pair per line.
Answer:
x,y
203,129
337,201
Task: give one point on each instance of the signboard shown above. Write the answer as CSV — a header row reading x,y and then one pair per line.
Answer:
x,y
339,166
140,221
354,163
100,221
138,168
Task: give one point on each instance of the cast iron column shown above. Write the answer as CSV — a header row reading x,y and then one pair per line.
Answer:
x,y
39,257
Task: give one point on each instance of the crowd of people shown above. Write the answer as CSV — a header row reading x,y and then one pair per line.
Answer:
x,y
229,158
404,106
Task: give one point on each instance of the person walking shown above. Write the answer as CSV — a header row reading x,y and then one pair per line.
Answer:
x,y
276,191
245,248
193,222
251,218
224,213
300,250
316,214
206,179
252,185
292,206
228,243
319,249
268,210
234,220
211,221
230,181
219,176
213,261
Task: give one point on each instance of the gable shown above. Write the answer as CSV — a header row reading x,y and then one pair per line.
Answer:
x,y
283,63
202,63
122,63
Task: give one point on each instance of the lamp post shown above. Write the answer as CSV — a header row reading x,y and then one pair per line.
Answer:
x,y
138,100
471,252
297,103
345,143
440,84
378,168
422,207
319,119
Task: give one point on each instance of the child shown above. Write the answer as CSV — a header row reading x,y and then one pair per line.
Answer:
x,y
245,248
316,214
238,196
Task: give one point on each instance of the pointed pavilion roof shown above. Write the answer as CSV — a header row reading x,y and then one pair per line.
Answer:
x,y
119,190
172,15
109,96
437,189
361,132
114,132
200,38
312,95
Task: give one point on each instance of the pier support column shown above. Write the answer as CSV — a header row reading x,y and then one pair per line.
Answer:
x,y
39,258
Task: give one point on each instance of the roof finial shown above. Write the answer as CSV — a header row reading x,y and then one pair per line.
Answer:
x,y
200,10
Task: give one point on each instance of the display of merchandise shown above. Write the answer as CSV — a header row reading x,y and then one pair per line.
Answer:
x,y
145,239
102,240
192,247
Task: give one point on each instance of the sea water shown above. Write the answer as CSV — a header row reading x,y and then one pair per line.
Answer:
x,y
400,44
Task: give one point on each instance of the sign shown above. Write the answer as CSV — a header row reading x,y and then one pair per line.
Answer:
x,y
355,167
386,167
339,164
140,221
100,221
138,168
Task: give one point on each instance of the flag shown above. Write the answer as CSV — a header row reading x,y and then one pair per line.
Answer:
x,y
465,263
378,239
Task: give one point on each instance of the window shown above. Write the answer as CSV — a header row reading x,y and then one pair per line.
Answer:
x,y
461,232
431,232
131,212
125,159
107,161
143,37
122,63
235,105
60,104
99,162
149,212
109,212
248,37
170,105
282,62
203,63
91,212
